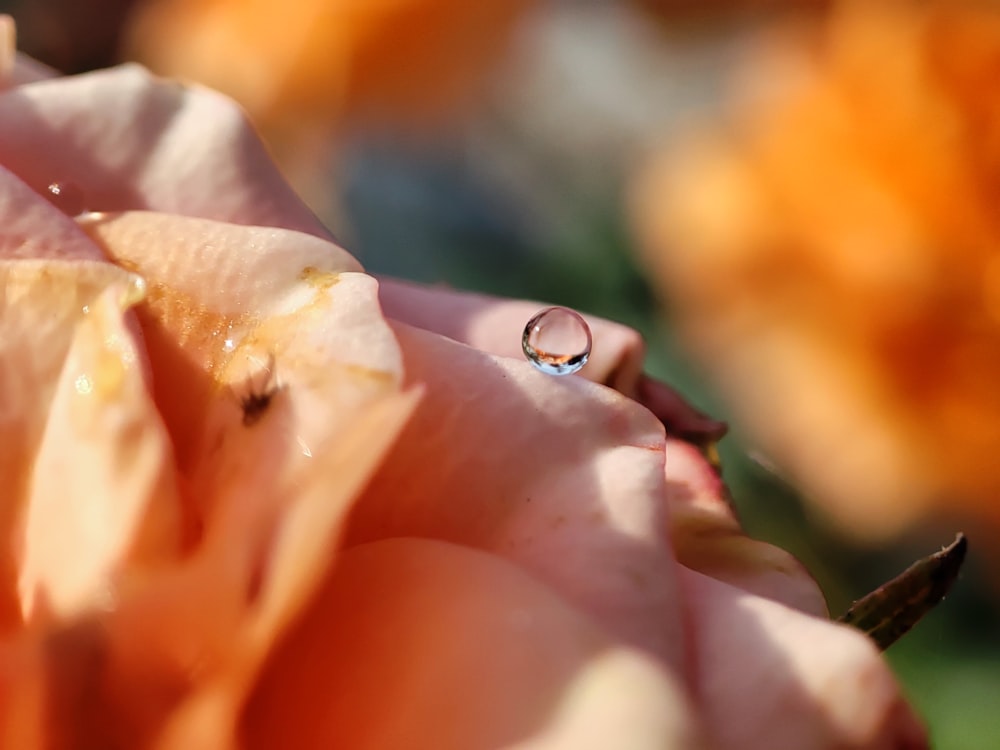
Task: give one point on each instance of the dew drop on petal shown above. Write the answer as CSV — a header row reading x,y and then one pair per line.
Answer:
x,y
557,341
66,196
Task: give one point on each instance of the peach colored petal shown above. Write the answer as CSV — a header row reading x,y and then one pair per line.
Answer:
x,y
237,311
419,644
205,628
707,536
494,325
132,141
102,488
770,677
559,475
184,642
41,305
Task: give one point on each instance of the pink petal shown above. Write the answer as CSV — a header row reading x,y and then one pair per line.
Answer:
x,y
707,536
416,643
132,141
494,325
771,677
559,475
34,228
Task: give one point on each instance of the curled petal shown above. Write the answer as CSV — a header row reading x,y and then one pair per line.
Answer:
x,y
707,536
764,682
494,325
102,491
268,346
42,304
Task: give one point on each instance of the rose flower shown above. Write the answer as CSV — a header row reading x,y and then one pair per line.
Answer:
x,y
255,498
833,255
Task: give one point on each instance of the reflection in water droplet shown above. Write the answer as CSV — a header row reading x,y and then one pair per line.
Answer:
x,y
67,197
557,341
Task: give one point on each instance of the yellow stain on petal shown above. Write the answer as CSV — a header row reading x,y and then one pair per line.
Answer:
x,y
197,327
318,279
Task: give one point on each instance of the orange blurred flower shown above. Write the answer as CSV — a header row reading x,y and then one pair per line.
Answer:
x,y
253,499
305,66
834,255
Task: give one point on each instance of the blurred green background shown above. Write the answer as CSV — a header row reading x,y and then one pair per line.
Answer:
x,y
502,203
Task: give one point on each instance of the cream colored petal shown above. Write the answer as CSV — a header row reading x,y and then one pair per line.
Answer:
x,y
102,492
770,677
559,475
129,140
424,644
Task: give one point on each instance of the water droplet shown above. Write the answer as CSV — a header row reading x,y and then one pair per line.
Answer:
x,y
67,197
557,341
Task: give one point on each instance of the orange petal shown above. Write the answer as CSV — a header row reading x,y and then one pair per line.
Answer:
x,y
131,141
267,346
246,313
416,643
42,303
195,637
102,488
769,676
560,475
